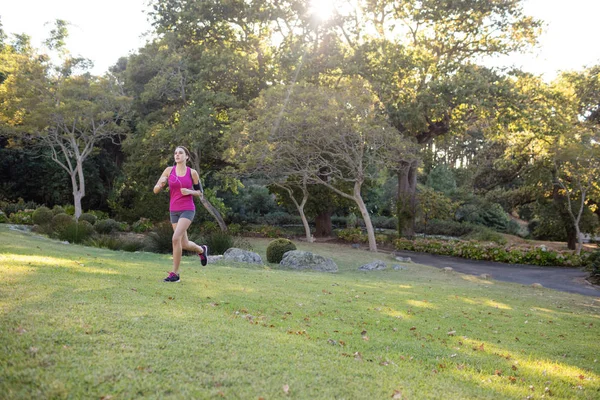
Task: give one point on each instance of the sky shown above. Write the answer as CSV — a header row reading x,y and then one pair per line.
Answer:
x,y
105,30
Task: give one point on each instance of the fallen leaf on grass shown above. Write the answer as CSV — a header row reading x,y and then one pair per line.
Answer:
x,y
451,333
286,389
397,395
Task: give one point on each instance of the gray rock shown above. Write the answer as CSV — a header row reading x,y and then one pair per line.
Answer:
x,y
448,269
297,259
355,246
240,255
212,259
403,259
399,267
376,265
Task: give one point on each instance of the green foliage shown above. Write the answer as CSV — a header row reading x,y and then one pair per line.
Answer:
x,y
446,228
42,216
441,179
592,263
142,225
277,248
3,218
484,234
104,241
434,205
61,221
98,214
218,242
24,217
480,212
491,252
58,210
107,226
160,240
69,209
76,231
21,205
351,221
91,218
353,235
270,231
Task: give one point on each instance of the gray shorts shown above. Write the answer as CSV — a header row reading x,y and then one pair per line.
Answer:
x,y
188,214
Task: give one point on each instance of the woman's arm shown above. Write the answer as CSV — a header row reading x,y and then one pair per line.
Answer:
x,y
162,181
197,189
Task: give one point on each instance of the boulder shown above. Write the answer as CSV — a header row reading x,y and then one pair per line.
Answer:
x,y
399,267
403,259
297,259
376,265
240,255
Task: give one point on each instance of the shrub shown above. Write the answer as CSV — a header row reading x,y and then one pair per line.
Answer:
x,y
91,218
98,214
105,242
593,265
60,222
218,242
107,226
160,240
58,210
353,235
69,209
76,232
132,244
3,218
490,251
351,221
21,205
270,231
24,217
42,216
483,234
277,248
142,225
446,228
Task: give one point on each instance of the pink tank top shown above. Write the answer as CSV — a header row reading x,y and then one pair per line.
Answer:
x,y
180,202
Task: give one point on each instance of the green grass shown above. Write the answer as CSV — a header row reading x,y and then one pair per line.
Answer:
x,y
79,322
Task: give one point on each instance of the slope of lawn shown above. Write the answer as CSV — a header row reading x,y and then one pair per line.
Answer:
x,y
80,322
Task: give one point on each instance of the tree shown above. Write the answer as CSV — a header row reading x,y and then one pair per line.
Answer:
x,y
341,135
61,110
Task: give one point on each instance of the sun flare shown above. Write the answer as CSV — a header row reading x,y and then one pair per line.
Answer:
x,y
322,9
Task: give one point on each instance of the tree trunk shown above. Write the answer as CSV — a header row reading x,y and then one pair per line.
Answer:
x,y
406,202
366,217
309,237
214,212
323,224
565,216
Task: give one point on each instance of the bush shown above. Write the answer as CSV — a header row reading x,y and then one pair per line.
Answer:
x,y
69,209
281,218
351,221
21,205
277,248
58,210
142,225
24,217
105,242
132,244
160,240
107,226
445,228
60,222
98,214
76,232
3,218
42,216
491,252
91,218
593,265
483,234
353,235
218,242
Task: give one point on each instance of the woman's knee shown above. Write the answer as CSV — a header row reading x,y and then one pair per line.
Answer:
x,y
177,240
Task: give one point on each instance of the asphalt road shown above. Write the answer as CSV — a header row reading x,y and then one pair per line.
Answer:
x,y
570,280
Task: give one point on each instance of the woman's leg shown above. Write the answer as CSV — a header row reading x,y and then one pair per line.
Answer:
x,y
179,232
187,244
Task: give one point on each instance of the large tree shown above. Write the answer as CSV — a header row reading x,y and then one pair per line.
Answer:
x,y
60,108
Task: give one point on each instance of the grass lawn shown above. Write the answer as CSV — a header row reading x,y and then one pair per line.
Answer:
x,y
79,322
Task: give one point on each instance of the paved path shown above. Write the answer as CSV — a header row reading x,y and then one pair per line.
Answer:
x,y
564,279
